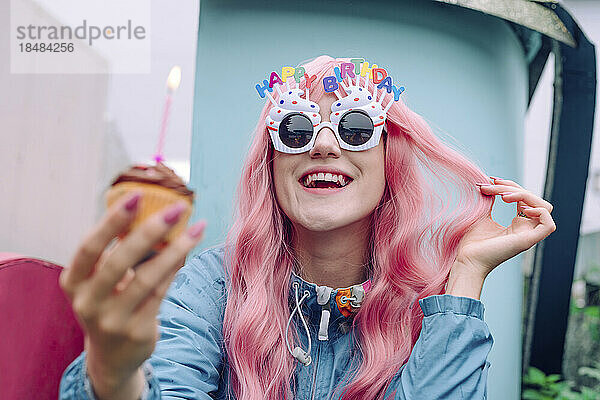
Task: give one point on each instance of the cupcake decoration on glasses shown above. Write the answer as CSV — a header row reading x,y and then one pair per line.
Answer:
x,y
357,118
297,115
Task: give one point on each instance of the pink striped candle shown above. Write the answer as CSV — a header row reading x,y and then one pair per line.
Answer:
x,y
173,82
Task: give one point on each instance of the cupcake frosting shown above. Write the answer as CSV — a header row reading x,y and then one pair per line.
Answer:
x,y
158,174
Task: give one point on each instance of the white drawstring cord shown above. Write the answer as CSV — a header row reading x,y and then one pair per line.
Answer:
x,y
298,353
323,296
358,295
344,299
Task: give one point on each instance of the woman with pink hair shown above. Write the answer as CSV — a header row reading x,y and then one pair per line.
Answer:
x,y
346,274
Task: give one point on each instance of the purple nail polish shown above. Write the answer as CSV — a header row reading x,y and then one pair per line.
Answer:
x,y
197,229
172,216
132,203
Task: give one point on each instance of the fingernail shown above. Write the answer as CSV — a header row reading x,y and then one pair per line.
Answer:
x,y
487,185
133,202
527,207
172,216
197,229
505,193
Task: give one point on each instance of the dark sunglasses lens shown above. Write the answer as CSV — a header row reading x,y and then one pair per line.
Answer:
x,y
355,128
295,130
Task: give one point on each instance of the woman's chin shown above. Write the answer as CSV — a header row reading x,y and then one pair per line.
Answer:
x,y
320,222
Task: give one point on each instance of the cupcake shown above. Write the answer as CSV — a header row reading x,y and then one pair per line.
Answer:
x,y
160,187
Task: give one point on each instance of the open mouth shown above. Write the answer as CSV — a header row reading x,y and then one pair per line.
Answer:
x,y
325,180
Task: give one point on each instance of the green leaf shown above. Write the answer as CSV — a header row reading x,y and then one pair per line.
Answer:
x,y
530,394
536,376
553,378
569,395
589,394
592,311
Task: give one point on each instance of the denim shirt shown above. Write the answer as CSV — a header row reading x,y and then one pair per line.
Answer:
x,y
448,361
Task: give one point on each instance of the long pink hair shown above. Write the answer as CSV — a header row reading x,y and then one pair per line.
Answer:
x,y
414,237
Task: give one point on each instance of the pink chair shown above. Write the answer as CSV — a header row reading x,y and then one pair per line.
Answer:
x,y
39,334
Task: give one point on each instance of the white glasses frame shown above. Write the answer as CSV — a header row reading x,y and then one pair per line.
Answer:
x,y
372,142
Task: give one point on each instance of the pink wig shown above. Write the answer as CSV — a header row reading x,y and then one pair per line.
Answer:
x,y
414,239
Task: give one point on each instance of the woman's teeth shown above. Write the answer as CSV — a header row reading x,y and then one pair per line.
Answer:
x,y
320,180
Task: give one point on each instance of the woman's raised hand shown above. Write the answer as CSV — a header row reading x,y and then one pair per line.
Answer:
x,y
488,244
116,295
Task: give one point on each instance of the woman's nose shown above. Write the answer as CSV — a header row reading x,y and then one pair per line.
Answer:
x,y
326,145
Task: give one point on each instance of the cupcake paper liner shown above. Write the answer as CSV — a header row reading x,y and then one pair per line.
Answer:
x,y
154,198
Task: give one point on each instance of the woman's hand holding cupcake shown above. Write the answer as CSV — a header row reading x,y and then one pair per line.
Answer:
x,y
116,292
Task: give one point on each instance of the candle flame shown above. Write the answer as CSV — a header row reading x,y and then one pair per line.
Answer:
x,y
174,78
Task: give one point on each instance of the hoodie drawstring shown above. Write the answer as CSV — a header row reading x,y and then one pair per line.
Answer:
x,y
323,295
298,353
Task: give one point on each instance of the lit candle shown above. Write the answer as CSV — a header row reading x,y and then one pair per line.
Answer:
x,y
173,82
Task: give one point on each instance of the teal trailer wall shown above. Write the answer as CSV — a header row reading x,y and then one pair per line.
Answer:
x,y
464,72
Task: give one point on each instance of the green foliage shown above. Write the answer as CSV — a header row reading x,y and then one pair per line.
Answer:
x,y
591,320
592,311
539,386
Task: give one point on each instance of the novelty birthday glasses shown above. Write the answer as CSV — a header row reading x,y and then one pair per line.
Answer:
x,y
357,119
